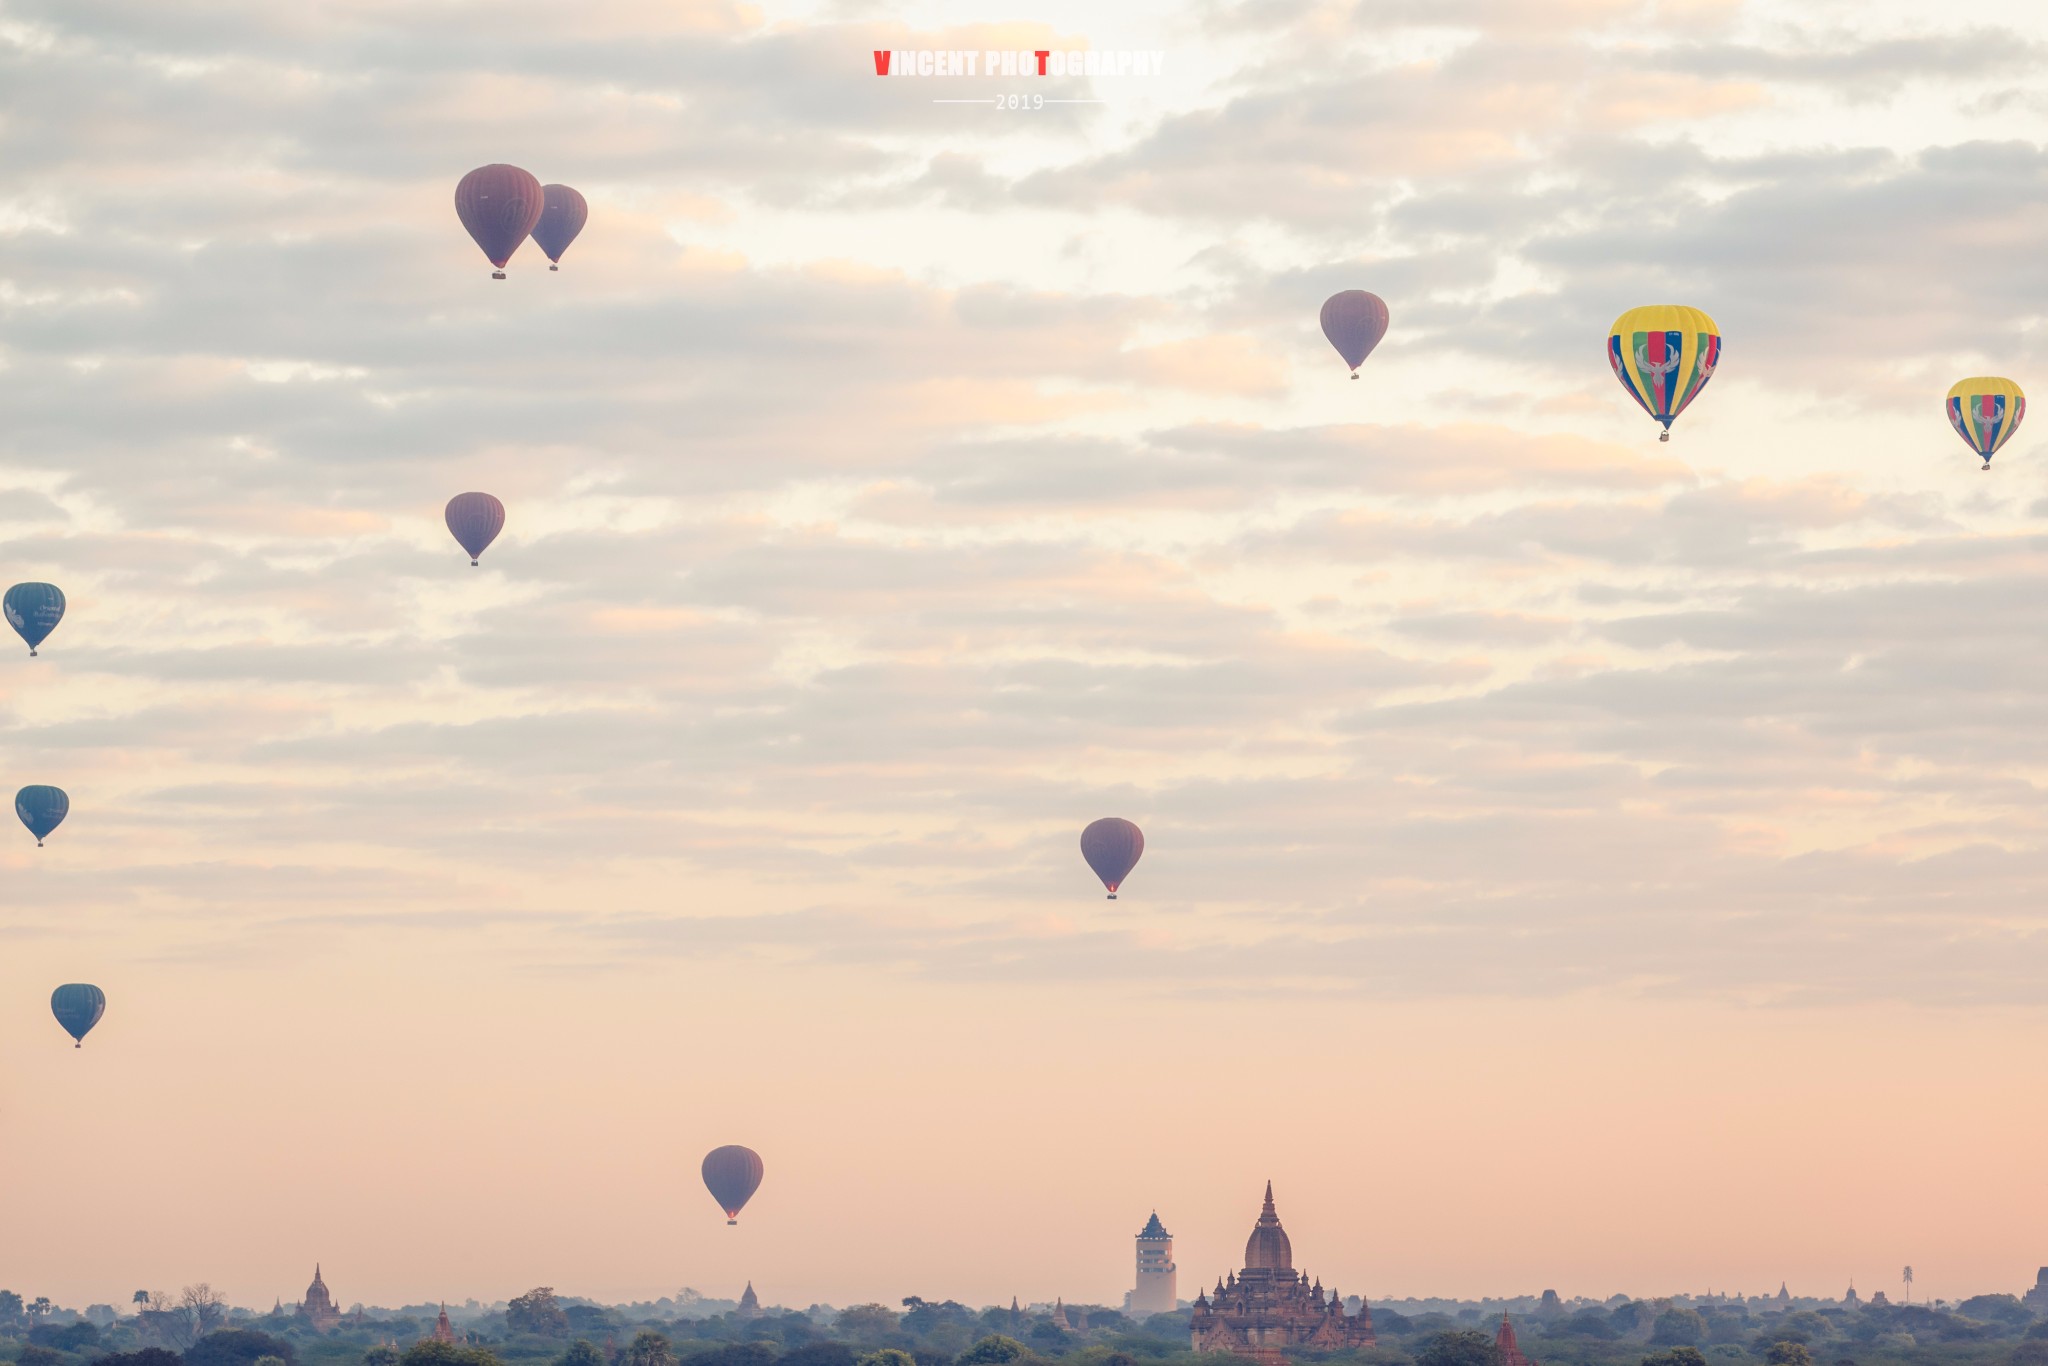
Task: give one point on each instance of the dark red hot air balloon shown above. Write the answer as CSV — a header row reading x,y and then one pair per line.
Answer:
x,y
560,221
499,205
1112,847
732,1174
475,519
1354,321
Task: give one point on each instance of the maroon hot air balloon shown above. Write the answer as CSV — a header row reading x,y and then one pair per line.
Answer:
x,y
1112,847
732,1174
499,205
560,221
1354,321
475,519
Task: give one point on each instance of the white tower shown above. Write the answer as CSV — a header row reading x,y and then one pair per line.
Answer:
x,y
1158,1289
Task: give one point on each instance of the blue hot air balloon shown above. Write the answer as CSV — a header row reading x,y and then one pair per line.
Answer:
x,y
42,809
33,610
475,519
78,1007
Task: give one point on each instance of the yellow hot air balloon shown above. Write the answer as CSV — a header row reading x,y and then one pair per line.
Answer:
x,y
1664,354
1986,411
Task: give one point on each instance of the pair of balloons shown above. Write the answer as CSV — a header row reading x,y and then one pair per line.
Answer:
x,y
502,206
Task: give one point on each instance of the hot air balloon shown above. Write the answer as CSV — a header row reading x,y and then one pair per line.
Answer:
x,y
499,205
476,519
42,809
78,1007
1664,354
1354,321
1112,847
1985,412
732,1174
560,221
33,610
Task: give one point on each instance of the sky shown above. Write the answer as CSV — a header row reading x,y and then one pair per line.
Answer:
x,y
1572,861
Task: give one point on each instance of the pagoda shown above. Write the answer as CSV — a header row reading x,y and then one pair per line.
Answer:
x,y
1269,1305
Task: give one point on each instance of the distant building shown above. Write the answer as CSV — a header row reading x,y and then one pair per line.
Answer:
x,y
1878,1299
1158,1288
1059,1316
1510,1350
444,1331
1852,1300
1269,1306
1784,1295
1551,1305
750,1303
318,1309
2037,1298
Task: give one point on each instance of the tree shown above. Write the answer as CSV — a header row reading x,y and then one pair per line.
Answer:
x,y
650,1348
148,1356
536,1312
239,1347
2005,1309
40,1356
1679,1328
888,1356
582,1352
819,1354
1459,1347
866,1322
1789,1354
270,1361
72,1337
2029,1354
1677,1356
432,1353
381,1355
993,1350
10,1307
196,1312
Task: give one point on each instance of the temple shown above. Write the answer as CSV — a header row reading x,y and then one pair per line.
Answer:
x,y
1158,1289
1269,1306
444,1331
750,1303
1510,1350
318,1309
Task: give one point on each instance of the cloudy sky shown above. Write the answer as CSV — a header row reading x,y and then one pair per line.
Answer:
x,y
1571,860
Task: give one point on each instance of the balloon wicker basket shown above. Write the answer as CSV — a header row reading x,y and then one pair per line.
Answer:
x,y
497,275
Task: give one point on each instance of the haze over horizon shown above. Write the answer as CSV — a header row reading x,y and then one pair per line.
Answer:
x,y
1571,861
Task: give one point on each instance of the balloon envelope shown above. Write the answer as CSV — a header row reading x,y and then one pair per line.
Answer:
x,y
33,610
732,1174
78,1007
499,205
1112,847
562,218
1664,354
42,809
1986,411
1354,321
475,519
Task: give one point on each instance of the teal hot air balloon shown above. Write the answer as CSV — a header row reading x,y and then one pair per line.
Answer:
x,y
33,610
78,1007
42,809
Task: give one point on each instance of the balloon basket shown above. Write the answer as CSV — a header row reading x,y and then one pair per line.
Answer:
x,y
1354,374
472,564
732,1223
554,267
1663,436
497,275
32,653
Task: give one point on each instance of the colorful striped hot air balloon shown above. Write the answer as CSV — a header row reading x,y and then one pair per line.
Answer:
x,y
42,809
1664,354
560,221
499,205
78,1007
1112,847
1985,412
474,519
732,1174
33,610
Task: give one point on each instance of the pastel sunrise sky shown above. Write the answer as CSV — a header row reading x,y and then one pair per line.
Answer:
x,y
1572,861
